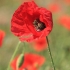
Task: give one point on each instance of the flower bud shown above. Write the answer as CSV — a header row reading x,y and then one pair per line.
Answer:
x,y
20,61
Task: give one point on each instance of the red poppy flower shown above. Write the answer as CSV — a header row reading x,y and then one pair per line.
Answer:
x,y
31,62
65,21
31,22
54,7
2,35
40,44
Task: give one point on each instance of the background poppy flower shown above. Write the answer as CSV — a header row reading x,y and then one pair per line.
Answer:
x,y
2,35
31,62
67,2
40,44
54,7
31,21
65,21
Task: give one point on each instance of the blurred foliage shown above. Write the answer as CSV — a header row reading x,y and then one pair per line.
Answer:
x,y
59,38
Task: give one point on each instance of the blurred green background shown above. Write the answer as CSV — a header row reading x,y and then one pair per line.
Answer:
x,y
59,37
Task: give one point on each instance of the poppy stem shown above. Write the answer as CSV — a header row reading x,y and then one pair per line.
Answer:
x,y
8,68
23,51
50,53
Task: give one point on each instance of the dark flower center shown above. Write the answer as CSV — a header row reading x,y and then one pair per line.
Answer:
x,y
39,26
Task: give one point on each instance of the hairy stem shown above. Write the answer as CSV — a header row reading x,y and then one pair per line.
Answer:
x,y
50,53
8,68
